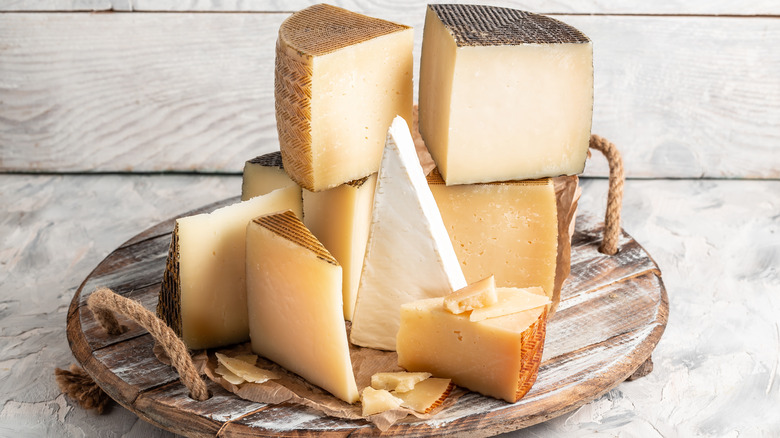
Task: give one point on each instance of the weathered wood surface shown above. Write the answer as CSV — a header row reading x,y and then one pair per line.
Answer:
x,y
612,314
683,96
676,7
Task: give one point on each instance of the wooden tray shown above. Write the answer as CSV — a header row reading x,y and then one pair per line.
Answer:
x,y
612,313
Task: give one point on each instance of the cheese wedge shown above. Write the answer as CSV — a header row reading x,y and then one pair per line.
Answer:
x,y
295,306
408,255
264,174
507,229
504,94
426,395
376,401
511,300
203,294
398,381
474,296
339,218
498,357
340,79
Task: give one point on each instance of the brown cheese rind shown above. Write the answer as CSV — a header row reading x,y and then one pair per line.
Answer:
x,y
532,341
169,302
271,159
287,225
478,25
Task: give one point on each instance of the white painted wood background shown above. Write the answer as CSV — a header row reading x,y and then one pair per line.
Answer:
x,y
688,90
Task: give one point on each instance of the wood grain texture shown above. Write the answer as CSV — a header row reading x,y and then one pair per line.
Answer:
x,y
753,7
604,329
680,96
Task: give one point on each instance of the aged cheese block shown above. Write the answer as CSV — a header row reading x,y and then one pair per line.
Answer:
x,y
498,357
511,300
264,174
408,255
340,79
507,229
339,218
525,79
474,296
203,294
294,302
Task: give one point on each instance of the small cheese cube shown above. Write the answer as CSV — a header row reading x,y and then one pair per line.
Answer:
x,y
474,296
504,94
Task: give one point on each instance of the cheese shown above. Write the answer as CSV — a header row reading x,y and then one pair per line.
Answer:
x,y
228,375
203,294
294,302
339,218
264,174
244,370
474,296
498,357
399,381
340,79
507,229
408,255
376,401
426,395
511,300
504,94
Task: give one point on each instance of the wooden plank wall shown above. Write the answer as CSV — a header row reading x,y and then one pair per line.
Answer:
x,y
685,89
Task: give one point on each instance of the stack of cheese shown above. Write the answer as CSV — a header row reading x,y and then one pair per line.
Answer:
x,y
343,224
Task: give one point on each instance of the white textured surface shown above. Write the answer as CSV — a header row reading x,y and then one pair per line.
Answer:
x,y
717,243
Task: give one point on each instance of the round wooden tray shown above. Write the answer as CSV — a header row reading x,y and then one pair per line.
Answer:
x,y
612,313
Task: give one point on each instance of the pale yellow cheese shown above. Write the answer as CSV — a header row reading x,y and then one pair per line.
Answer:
x,y
376,401
507,229
498,357
228,375
426,395
511,300
339,218
340,79
504,94
203,295
264,174
474,296
295,306
245,370
399,381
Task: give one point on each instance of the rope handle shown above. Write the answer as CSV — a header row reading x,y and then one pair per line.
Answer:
x,y
104,302
615,195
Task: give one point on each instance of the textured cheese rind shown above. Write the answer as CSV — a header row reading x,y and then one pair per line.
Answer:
x,y
376,401
409,255
399,381
264,174
511,300
340,79
474,296
525,79
295,306
426,395
507,229
498,357
203,293
340,218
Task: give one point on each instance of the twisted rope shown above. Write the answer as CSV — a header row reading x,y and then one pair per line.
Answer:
x,y
104,302
615,194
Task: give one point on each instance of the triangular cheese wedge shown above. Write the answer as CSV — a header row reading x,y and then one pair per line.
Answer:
x,y
511,300
409,255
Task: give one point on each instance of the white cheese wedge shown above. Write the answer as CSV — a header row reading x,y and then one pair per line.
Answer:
x,y
507,229
504,94
264,174
409,255
341,78
376,401
511,300
474,296
203,294
295,306
339,218
498,357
